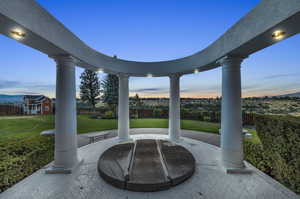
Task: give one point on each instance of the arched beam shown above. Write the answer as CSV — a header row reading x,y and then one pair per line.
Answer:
x,y
250,34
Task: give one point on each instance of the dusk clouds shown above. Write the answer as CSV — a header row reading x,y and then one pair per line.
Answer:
x,y
283,75
26,88
191,86
147,37
148,90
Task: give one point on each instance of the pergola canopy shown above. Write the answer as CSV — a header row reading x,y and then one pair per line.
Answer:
x,y
250,34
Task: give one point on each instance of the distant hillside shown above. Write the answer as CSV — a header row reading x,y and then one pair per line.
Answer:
x,y
15,99
291,95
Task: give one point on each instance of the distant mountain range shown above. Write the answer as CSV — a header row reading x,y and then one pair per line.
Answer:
x,y
297,94
16,99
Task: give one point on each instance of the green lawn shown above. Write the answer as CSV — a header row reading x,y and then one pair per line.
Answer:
x,y
85,124
255,139
18,128
24,127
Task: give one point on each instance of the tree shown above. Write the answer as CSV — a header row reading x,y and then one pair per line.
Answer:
x,y
110,91
137,101
89,87
137,104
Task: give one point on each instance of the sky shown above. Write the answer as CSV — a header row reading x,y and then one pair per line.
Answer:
x,y
152,31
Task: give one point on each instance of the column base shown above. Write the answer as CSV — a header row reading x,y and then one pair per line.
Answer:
x,y
235,169
232,158
60,170
125,140
175,140
232,161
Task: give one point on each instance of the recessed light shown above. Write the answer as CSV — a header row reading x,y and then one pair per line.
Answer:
x,y
17,34
196,71
278,34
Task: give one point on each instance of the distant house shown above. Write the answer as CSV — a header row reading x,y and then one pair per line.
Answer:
x,y
25,104
37,105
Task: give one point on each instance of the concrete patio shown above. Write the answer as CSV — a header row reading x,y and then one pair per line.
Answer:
x,y
209,180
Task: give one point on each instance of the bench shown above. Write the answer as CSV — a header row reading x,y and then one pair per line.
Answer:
x,y
50,132
246,133
96,136
93,136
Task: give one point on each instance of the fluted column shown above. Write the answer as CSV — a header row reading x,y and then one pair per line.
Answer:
x,y
123,108
65,156
174,108
231,116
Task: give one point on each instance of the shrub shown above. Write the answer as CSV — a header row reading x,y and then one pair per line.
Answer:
x,y
134,116
280,137
20,158
206,118
95,116
108,115
184,113
190,114
254,153
157,113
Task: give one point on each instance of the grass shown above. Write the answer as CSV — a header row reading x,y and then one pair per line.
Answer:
x,y
255,139
24,127
85,124
14,128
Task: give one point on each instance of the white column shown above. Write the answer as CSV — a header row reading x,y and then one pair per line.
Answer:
x,y
65,157
174,108
123,108
231,116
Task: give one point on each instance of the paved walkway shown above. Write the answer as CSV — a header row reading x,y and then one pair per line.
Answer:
x,y
208,182
209,138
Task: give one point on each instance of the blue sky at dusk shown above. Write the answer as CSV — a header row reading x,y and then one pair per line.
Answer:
x,y
152,31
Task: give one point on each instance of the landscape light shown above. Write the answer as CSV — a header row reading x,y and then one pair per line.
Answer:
x,y
196,71
149,75
17,34
278,34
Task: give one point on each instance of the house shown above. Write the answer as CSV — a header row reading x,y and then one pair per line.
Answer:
x,y
37,105
25,104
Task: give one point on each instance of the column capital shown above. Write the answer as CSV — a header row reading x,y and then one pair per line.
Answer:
x,y
231,60
175,75
63,59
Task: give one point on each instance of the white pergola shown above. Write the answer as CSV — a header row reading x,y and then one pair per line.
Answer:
x,y
265,25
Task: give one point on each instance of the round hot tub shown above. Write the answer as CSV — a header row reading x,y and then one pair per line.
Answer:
x,y
146,165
